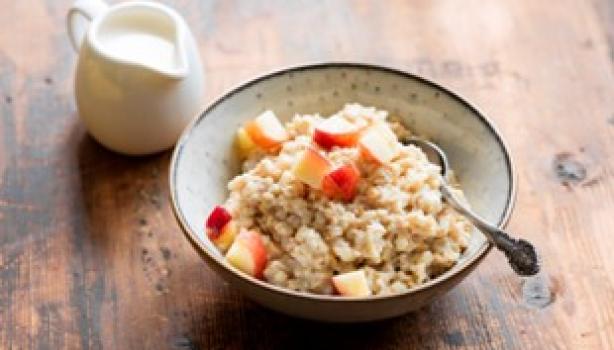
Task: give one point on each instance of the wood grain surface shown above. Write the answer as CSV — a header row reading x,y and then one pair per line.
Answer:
x,y
91,256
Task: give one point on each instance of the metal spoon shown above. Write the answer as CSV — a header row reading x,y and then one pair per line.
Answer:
x,y
521,254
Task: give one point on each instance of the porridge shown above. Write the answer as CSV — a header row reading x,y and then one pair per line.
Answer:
x,y
336,206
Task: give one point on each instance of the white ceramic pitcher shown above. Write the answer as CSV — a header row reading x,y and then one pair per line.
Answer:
x,y
139,78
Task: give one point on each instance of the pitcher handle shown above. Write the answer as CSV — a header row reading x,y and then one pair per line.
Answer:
x,y
77,27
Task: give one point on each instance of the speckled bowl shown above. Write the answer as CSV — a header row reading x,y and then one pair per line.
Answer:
x,y
204,161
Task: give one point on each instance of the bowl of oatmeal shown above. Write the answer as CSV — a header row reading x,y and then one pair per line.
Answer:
x,y
296,188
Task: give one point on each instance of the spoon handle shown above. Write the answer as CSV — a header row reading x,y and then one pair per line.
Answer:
x,y
520,253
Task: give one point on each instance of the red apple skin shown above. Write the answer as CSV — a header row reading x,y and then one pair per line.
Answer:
x,y
342,183
253,242
328,141
218,218
328,133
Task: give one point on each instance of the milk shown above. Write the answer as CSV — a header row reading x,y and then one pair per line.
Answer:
x,y
144,48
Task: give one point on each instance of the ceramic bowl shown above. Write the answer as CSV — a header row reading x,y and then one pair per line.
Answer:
x,y
204,161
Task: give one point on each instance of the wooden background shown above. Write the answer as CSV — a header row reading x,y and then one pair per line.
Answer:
x,y
91,256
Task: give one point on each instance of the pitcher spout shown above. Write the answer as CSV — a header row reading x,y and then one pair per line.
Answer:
x,y
143,34
179,65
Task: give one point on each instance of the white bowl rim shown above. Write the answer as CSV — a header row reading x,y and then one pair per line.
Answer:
x,y
455,270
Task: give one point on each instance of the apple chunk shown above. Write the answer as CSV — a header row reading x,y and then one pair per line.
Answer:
x,y
378,143
267,131
244,143
227,235
336,131
220,227
311,168
342,182
248,254
352,284
216,221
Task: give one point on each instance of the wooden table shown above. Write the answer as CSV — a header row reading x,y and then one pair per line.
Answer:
x,y
91,256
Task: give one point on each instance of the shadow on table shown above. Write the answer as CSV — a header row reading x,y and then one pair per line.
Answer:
x,y
253,327
119,191
242,324
127,230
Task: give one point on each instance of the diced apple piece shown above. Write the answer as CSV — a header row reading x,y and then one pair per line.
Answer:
x,y
342,182
227,235
379,144
267,131
248,254
244,143
336,131
352,284
311,168
216,221
385,131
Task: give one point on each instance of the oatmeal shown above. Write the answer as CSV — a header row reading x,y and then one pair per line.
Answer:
x,y
337,206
